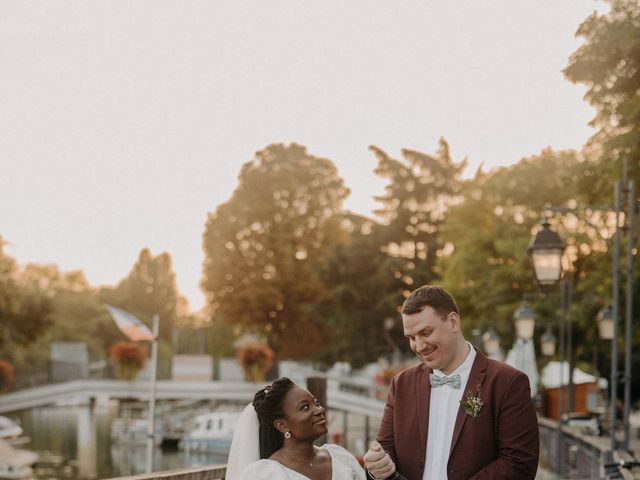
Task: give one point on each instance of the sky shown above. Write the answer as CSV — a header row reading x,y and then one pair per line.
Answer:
x,y
123,124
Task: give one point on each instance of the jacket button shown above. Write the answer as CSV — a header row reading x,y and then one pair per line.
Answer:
x,y
421,464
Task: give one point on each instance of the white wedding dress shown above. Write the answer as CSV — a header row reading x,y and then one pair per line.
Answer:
x,y
343,467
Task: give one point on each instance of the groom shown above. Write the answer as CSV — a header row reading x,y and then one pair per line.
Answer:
x,y
458,415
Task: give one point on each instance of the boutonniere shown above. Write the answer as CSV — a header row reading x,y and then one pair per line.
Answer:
x,y
472,404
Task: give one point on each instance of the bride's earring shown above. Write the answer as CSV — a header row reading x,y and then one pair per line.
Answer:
x,y
287,434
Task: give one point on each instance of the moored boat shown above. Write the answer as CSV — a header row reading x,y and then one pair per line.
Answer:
x,y
211,432
15,463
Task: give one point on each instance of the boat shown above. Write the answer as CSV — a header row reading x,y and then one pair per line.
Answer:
x,y
9,429
132,425
133,430
15,463
12,432
211,432
170,418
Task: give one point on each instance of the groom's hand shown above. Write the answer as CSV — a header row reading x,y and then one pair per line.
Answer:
x,y
378,462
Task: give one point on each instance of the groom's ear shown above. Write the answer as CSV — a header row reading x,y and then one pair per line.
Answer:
x,y
280,425
454,318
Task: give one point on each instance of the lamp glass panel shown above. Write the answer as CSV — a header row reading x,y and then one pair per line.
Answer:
x,y
548,347
605,328
491,345
547,264
524,327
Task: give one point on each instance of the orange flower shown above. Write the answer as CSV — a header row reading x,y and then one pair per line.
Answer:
x,y
129,357
7,375
255,357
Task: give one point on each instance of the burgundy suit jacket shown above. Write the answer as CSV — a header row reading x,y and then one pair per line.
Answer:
x,y
501,443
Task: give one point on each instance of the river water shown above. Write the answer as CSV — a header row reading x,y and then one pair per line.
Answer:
x,y
74,442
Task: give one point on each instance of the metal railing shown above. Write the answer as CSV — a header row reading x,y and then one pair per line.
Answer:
x,y
584,456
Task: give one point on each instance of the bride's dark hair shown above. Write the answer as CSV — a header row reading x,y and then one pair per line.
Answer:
x,y
268,403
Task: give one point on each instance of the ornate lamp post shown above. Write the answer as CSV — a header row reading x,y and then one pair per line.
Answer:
x,y
545,254
522,355
545,259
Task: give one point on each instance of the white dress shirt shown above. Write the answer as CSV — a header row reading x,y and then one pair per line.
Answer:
x,y
443,410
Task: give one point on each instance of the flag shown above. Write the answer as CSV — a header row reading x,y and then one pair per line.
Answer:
x,y
128,324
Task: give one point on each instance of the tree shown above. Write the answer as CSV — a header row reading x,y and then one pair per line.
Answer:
x,y
50,279
149,289
219,337
420,190
609,64
362,292
75,314
25,311
488,233
79,316
263,246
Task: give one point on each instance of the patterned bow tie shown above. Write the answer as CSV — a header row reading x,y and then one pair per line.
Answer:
x,y
437,381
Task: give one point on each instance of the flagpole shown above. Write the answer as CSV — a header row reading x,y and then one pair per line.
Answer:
x,y
151,427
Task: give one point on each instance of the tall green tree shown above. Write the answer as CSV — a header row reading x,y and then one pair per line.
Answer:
x,y
420,189
77,315
25,310
263,246
362,293
149,289
608,63
488,233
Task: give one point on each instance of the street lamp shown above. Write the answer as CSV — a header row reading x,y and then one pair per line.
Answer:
x,y
491,343
545,253
604,319
548,343
525,321
522,354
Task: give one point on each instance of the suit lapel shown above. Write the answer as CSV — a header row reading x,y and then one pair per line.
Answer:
x,y
476,377
423,394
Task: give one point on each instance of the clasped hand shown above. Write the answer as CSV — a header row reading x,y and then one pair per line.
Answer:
x,y
378,462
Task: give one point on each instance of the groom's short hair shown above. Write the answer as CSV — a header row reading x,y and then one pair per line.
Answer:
x,y
430,296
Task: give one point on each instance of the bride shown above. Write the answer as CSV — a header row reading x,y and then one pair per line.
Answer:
x,y
274,439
